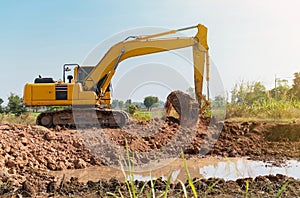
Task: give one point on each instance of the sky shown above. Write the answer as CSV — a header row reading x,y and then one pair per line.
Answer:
x,y
249,40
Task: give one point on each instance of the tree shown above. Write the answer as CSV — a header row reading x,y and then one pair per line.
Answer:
x,y
281,92
296,85
121,104
114,104
131,109
128,102
117,104
1,109
191,92
219,101
149,101
248,93
257,93
15,105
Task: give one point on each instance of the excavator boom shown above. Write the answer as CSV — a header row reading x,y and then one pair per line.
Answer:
x,y
100,78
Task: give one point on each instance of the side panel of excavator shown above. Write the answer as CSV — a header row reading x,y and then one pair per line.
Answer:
x,y
48,94
60,94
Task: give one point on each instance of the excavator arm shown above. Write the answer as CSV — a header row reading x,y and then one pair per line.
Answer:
x,y
100,77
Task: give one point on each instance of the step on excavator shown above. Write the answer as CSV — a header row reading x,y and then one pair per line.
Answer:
x,y
87,91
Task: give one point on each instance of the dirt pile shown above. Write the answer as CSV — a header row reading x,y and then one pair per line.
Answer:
x,y
260,141
149,140
27,148
256,140
148,136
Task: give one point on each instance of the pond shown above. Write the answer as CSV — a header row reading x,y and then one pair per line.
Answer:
x,y
226,168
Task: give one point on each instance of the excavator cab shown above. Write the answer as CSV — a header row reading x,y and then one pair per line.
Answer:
x,y
79,73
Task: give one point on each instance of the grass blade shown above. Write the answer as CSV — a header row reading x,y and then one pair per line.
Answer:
x,y
142,190
165,193
189,176
120,193
212,186
125,179
281,190
112,194
167,186
131,168
152,185
183,188
247,188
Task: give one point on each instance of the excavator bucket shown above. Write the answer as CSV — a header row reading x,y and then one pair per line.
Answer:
x,y
184,105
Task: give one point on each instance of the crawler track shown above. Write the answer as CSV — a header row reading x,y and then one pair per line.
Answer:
x,y
81,117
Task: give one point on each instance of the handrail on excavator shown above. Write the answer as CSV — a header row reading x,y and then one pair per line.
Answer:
x,y
166,32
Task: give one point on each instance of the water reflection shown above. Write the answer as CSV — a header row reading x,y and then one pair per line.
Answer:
x,y
234,169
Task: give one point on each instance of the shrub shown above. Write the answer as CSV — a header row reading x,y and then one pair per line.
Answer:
x,y
131,109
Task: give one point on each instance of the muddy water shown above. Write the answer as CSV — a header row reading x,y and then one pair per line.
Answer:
x,y
228,169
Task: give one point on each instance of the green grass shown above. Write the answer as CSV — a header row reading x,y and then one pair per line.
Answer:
x,y
268,109
26,118
247,188
267,120
143,115
281,190
189,176
157,113
148,115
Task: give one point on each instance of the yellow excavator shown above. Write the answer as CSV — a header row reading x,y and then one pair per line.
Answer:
x,y
88,89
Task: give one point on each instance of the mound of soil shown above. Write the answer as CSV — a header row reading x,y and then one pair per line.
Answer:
x,y
28,152
258,141
26,149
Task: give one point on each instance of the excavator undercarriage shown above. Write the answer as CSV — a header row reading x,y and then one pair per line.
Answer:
x,y
84,117
186,108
